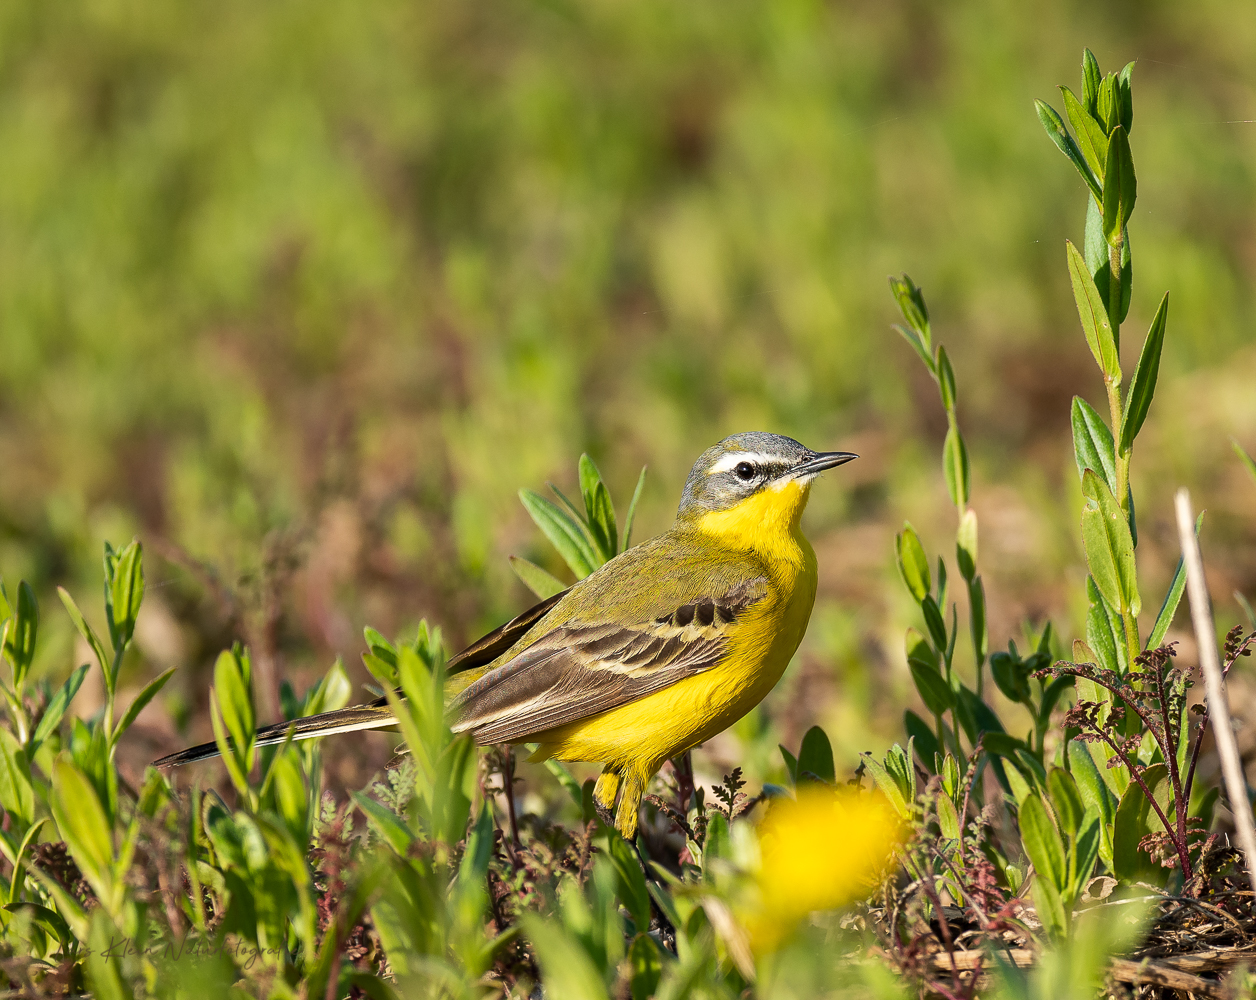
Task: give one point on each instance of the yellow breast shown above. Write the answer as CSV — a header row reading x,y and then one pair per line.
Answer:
x,y
644,733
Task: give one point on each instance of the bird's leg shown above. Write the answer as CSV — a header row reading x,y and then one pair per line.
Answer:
x,y
629,805
626,824
604,793
508,781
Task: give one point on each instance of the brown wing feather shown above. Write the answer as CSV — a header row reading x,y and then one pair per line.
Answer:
x,y
490,647
574,673
375,714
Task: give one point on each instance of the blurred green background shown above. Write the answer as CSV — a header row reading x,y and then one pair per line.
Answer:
x,y
302,293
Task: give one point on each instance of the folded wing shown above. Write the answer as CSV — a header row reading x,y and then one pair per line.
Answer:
x,y
576,672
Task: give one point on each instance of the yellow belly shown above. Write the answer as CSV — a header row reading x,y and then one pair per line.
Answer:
x,y
642,734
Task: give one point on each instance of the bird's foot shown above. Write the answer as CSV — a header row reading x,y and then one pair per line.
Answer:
x,y
605,813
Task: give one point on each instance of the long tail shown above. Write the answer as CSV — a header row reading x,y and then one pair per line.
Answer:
x,y
376,715
346,720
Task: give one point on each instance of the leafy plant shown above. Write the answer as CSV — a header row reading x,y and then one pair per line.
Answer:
x,y
1163,781
1120,787
584,538
931,655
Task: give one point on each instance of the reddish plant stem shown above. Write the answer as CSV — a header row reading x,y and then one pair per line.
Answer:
x,y
1179,845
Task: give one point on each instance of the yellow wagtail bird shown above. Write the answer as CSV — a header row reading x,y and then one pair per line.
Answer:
x,y
660,649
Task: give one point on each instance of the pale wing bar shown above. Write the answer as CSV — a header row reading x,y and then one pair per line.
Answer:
x,y
576,673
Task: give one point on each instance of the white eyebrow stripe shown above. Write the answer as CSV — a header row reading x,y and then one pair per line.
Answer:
x,y
734,459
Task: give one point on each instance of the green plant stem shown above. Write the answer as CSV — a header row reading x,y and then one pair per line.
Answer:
x,y
1113,386
1114,287
114,668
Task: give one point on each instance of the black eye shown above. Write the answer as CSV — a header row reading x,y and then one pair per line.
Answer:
x,y
744,471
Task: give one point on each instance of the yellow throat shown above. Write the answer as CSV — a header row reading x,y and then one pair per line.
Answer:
x,y
769,525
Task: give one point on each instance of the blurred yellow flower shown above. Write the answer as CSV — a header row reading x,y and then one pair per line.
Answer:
x,y
819,852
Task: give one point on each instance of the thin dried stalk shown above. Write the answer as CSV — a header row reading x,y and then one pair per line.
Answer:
x,y
1210,663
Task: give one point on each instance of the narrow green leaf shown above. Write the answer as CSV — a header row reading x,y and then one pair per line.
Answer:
x,y
541,582
380,669
948,817
1093,449
1134,820
918,345
1125,97
600,512
290,796
977,619
630,880
1244,457
106,945
563,532
946,380
380,646
911,302
791,763
16,793
933,619
1066,800
1085,852
19,645
966,545
330,694
1246,605
1054,124
1120,188
1094,317
6,609
955,466
18,874
576,513
1104,633
1109,545
565,778
632,511
934,691
1094,794
918,648
68,908
55,710
227,748
901,765
887,784
815,756
647,967
1171,599
1042,842
718,842
949,773
124,593
1108,109
566,967
1011,676
235,699
1091,78
1099,260
387,825
1090,138
141,700
83,825
912,563
1092,442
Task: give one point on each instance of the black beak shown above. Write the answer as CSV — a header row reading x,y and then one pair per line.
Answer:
x,y
817,463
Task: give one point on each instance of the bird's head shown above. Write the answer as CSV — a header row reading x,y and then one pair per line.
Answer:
x,y
752,482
